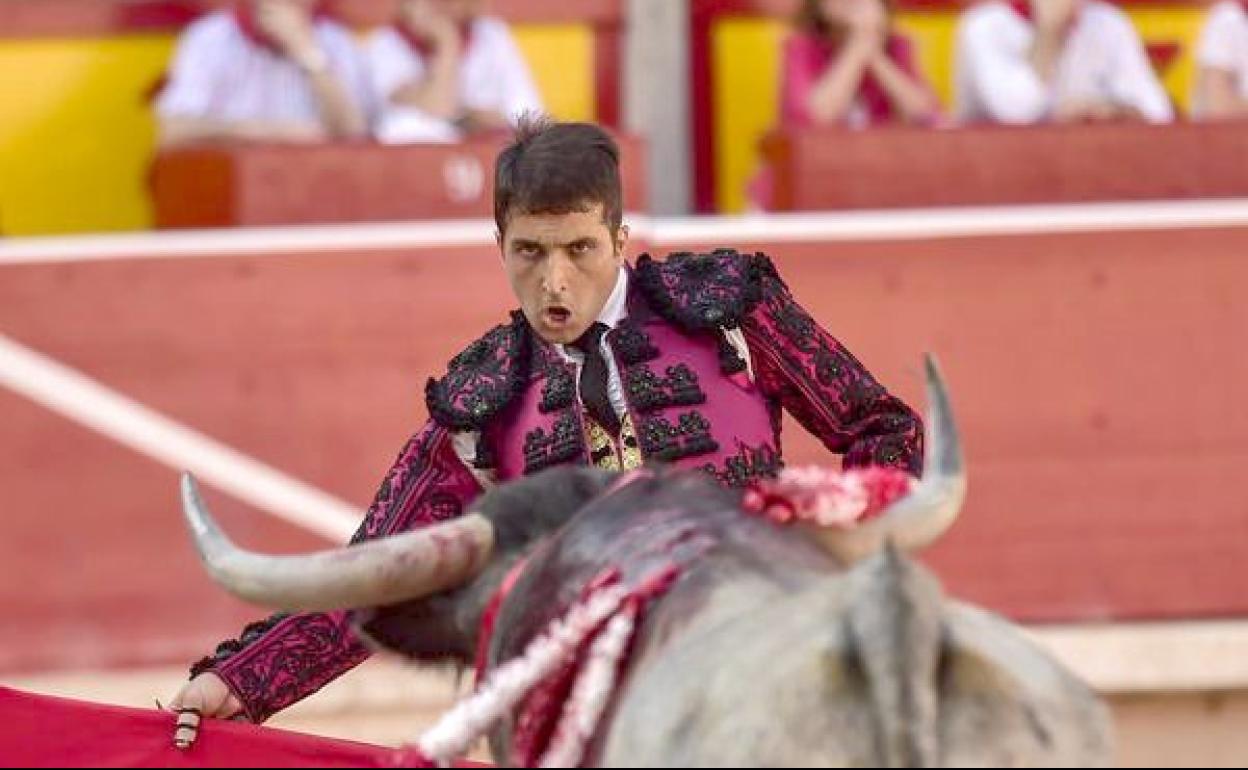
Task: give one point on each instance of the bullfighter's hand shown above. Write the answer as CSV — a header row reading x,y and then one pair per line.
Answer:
x,y
204,696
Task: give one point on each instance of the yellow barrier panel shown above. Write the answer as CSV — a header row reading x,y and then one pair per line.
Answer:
x,y
76,132
561,58
745,77
1179,24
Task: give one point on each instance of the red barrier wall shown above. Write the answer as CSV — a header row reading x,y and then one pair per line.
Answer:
x,y
274,184
1097,379
896,167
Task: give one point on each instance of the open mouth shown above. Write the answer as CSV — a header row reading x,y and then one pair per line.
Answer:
x,y
556,315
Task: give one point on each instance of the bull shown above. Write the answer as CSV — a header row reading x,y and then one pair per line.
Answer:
x,y
745,644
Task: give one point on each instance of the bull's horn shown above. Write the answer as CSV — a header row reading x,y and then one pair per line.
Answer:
x,y
922,516
372,573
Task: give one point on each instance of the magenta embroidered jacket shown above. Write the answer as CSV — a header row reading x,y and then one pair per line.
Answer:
x,y
690,399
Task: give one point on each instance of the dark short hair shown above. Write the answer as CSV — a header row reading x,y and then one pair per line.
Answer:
x,y
811,20
557,168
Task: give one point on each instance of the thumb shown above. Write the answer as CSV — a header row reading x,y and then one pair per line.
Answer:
x,y
189,706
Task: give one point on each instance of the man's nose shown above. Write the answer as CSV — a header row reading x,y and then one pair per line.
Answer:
x,y
557,271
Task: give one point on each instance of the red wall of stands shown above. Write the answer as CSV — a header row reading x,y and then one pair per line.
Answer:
x,y
895,167
259,184
1098,379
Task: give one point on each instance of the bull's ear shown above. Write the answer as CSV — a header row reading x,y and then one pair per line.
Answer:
x,y
421,630
994,680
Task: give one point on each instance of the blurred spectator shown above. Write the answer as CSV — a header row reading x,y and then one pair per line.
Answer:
x,y
846,64
443,71
265,70
1222,63
1031,61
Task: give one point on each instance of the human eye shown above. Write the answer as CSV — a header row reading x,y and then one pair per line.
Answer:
x,y
526,250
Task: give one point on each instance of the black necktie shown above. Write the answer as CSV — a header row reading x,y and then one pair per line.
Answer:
x,y
594,379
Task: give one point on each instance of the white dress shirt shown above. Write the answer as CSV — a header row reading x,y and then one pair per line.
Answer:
x,y
219,73
493,75
1102,59
1223,45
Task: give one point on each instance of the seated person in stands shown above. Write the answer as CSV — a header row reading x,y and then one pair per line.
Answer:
x,y
265,70
443,71
1032,61
846,65
1222,63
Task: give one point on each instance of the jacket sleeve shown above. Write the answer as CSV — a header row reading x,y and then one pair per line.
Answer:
x,y
285,658
818,381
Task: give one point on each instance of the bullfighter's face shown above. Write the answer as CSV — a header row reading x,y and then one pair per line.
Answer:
x,y
562,268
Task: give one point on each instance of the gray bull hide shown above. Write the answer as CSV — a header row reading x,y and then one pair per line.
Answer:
x,y
775,646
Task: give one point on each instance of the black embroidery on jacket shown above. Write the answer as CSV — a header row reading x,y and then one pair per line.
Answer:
x,y
227,649
702,292
665,442
748,464
559,390
632,344
564,443
483,379
648,391
730,361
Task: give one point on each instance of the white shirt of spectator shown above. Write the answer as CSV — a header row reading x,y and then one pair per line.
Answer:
x,y
1223,45
493,75
1102,59
219,73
